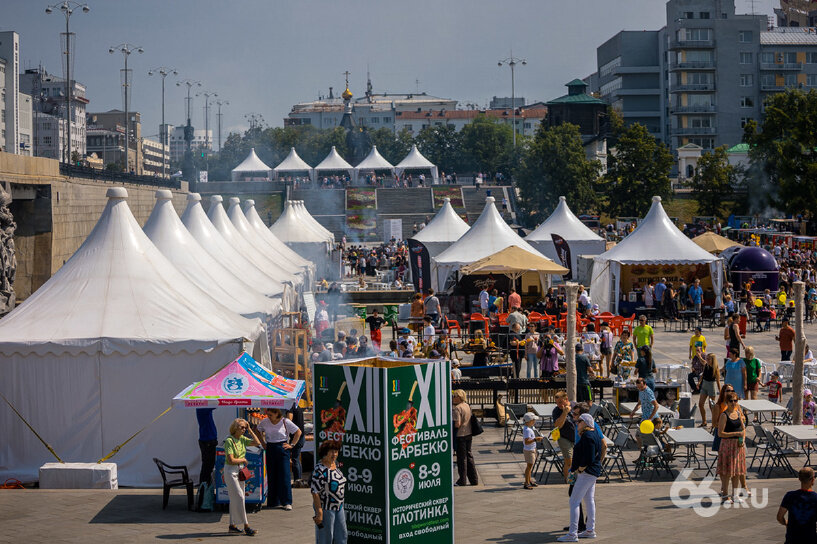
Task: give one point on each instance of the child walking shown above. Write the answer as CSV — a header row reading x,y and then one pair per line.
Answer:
x,y
530,437
775,387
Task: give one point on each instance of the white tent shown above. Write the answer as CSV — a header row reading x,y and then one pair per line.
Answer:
x,y
241,224
416,161
655,246
292,163
255,255
95,354
488,235
306,242
205,233
255,220
373,161
333,163
169,235
311,222
251,168
563,222
446,228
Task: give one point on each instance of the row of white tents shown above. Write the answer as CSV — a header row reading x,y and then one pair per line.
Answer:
x,y
253,168
135,315
656,242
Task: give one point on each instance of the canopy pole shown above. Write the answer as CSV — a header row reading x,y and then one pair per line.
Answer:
x,y
572,291
798,292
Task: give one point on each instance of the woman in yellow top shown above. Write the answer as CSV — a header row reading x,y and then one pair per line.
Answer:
x,y
235,450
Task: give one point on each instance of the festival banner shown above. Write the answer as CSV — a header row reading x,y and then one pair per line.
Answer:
x,y
563,252
392,419
420,265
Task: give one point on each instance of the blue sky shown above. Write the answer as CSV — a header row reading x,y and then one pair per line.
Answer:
x,y
265,55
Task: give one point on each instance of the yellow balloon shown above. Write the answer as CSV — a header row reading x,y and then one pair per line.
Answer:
x,y
555,434
782,298
758,302
646,426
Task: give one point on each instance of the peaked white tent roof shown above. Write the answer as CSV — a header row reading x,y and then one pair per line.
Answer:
x,y
564,223
443,230
414,159
169,235
655,240
488,235
118,293
203,230
255,255
116,331
252,164
303,213
333,161
292,163
374,161
255,220
243,226
290,227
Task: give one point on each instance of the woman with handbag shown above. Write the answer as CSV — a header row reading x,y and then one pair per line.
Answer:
x,y
236,472
463,431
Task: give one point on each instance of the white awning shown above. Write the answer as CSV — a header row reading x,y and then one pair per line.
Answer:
x,y
293,163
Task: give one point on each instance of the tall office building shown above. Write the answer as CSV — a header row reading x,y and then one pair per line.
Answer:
x,y
9,92
714,70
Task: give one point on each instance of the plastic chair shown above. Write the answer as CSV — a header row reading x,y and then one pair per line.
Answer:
x,y
184,481
552,459
453,325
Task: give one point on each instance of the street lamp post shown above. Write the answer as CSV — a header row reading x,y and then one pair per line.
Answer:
x,y
126,49
220,103
67,8
163,71
207,95
187,165
512,62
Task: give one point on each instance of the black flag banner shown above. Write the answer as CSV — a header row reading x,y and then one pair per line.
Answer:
x,y
420,265
563,252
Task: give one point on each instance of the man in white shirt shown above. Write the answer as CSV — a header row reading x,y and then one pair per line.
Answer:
x,y
483,301
428,331
275,437
584,300
456,373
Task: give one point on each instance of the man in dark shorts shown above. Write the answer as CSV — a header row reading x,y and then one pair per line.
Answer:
x,y
584,371
801,506
375,322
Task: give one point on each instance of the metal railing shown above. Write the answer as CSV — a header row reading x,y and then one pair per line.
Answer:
x,y
781,66
693,65
687,87
694,130
693,109
692,44
85,172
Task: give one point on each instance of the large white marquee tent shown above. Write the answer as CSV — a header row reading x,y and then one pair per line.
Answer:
x,y
258,224
96,353
415,160
373,162
443,230
333,163
564,223
306,242
488,235
291,164
251,169
655,249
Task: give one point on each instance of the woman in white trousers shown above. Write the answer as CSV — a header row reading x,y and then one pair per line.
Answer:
x,y
235,450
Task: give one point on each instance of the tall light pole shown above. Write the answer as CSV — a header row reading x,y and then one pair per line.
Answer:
x,y
512,62
187,163
207,95
126,49
67,8
220,103
163,71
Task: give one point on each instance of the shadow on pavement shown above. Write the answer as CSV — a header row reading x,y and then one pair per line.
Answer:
x,y
148,509
523,538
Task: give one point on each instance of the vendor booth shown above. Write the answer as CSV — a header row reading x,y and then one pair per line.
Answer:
x,y
513,262
95,354
333,163
563,223
489,234
252,169
443,230
655,249
373,163
242,383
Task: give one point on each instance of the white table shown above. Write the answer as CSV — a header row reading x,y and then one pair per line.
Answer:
x,y
544,411
628,407
691,438
760,406
668,371
800,434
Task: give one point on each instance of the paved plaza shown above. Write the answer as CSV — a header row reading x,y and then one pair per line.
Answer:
x,y
498,510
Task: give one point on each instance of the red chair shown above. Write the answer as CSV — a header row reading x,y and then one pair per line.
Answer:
x,y
534,317
629,322
485,321
454,325
503,319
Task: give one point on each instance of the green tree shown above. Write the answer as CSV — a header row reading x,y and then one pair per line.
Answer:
x,y
785,148
554,164
487,146
714,182
393,147
637,170
442,146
